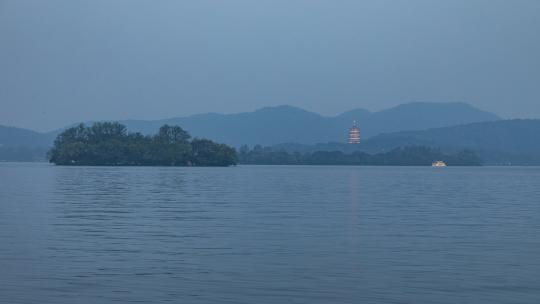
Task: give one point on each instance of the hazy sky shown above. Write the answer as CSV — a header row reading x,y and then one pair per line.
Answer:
x,y
67,61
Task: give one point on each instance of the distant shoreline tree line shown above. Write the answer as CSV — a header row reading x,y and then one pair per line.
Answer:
x,y
404,156
110,144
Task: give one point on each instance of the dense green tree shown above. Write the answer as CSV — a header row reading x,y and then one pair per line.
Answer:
x,y
109,143
209,153
171,146
172,135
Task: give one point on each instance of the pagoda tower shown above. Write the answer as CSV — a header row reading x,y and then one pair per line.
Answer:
x,y
354,134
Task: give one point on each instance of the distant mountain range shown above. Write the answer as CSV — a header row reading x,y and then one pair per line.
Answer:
x,y
274,125
451,126
23,145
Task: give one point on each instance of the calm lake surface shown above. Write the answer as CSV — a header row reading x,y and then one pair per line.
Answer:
x,y
276,234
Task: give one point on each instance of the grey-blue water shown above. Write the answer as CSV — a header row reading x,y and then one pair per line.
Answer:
x,y
277,234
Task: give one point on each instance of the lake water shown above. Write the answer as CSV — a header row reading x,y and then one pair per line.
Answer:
x,y
276,234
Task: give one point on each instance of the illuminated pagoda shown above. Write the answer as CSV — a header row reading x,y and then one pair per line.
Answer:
x,y
354,134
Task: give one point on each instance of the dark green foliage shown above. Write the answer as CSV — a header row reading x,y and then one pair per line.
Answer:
x,y
109,144
407,156
209,153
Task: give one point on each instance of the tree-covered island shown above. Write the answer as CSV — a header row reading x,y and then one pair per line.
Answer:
x,y
110,144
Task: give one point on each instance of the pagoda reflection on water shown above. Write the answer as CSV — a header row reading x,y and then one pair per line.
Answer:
x,y
354,134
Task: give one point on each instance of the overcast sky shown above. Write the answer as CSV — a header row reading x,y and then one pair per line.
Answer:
x,y
67,61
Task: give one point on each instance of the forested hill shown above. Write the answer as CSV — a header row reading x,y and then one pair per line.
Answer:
x,y
11,136
499,143
18,144
275,125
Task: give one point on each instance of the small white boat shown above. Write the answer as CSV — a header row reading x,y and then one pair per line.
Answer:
x,y
438,163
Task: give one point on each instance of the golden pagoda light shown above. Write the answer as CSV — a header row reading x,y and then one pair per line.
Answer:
x,y
354,134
